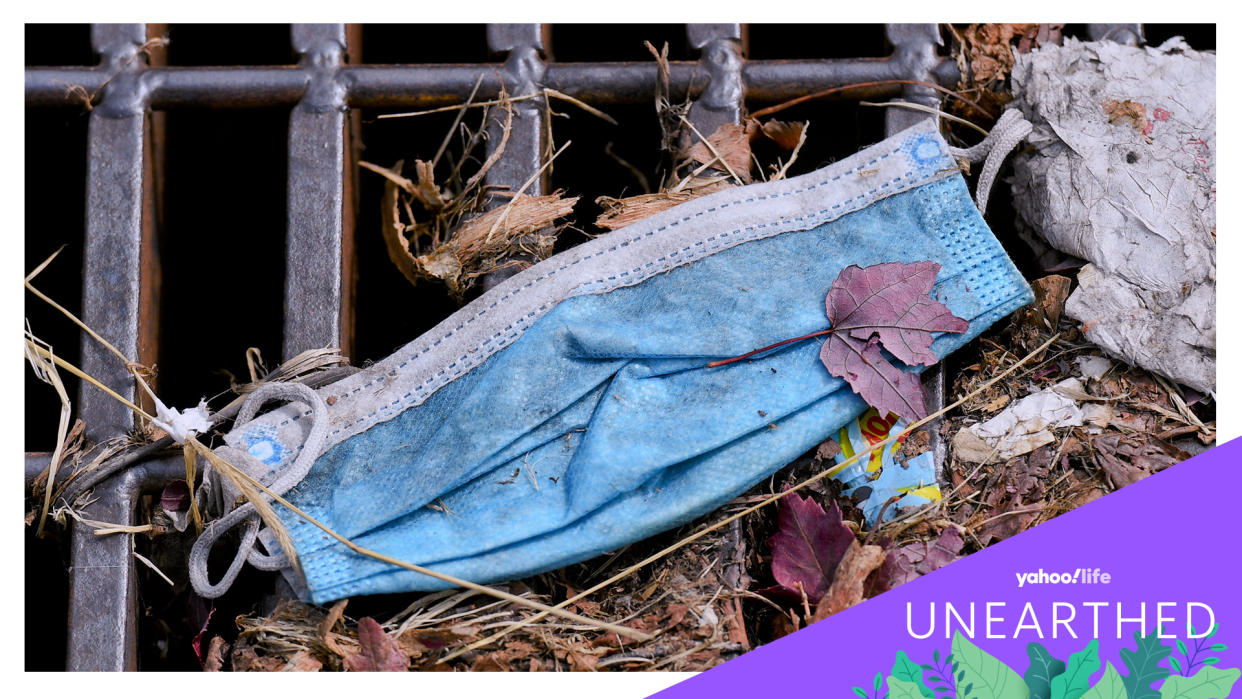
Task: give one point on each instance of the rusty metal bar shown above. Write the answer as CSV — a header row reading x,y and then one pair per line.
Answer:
x,y
316,286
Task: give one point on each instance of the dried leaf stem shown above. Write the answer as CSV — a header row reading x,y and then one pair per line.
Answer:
x,y
929,110
761,350
874,83
46,370
89,379
128,365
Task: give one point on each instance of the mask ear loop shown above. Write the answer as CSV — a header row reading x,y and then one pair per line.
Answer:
x,y
1010,129
285,480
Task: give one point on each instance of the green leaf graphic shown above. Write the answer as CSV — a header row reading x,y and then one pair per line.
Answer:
x,y
1144,667
991,679
860,692
901,689
1208,683
1110,686
1078,671
904,669
1043,668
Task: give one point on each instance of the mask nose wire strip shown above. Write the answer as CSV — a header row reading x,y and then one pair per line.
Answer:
x,y
1010,129
246,513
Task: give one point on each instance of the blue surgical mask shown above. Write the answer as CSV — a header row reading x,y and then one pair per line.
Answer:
x,y
569,411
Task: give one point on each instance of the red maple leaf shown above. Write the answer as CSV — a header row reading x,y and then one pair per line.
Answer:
x,y
886,304
915,560
808,546
378,652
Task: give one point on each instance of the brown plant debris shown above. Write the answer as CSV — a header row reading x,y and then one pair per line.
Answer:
x,y
619,213
728,148
438,224
686,601
984,54
847,587
478,245
785,134
378,652
1127,459
1128,112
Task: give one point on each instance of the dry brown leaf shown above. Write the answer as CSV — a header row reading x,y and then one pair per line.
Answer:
x,y
378,652
996,403
393,231
582,661
1127,111
988,48
426,190
731,142
1044,34
328,623
784,133
1129,459
828,449
489,663
246,659
675,614
416,642
1050,294
847,584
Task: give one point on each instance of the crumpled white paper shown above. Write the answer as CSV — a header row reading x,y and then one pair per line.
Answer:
x,y
1135,197
1027,423
178,424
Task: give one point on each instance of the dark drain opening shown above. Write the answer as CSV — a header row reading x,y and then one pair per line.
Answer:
x,y
222,248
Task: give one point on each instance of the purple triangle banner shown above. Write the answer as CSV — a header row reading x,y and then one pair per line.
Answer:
x,y
1136,595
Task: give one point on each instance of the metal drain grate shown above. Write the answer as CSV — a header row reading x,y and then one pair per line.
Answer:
x,y
133,87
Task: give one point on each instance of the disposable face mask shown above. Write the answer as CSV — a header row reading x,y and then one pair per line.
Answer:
x,y
569,411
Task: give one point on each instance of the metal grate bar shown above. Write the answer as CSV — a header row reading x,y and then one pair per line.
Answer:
x,y
317,299
426,86
914,48
720,47
120,273
121,269
525,147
